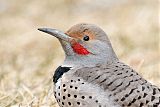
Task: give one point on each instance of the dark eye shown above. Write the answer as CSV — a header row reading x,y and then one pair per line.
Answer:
x,y
86,38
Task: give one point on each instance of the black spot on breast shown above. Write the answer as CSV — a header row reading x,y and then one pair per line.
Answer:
x,y
139,97
62,103
123,99
76,87
75,96
152,98
69,95
90,97
69,103
64,90
78,103
64,85
154,91
71,86
59,72
83,97
141,105
143,88
64,97
147,101
96,101
134,100
145,94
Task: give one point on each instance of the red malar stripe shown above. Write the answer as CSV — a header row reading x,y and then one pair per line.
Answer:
x,y
79,49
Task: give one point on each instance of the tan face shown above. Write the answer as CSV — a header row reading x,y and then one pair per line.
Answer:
x,y
78,32
81,35
86,37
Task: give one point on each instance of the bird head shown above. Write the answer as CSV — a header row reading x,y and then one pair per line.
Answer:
x,y
84,43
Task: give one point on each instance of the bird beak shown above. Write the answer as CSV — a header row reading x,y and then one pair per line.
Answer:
x,y
57,33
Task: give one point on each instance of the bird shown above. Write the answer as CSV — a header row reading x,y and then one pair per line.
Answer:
x,y
93,76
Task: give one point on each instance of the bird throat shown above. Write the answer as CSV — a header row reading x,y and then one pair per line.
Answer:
x,y
79,49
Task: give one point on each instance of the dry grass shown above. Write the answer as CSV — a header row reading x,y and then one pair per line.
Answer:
x,y
28,57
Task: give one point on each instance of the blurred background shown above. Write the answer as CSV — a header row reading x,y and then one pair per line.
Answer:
x,y
28,57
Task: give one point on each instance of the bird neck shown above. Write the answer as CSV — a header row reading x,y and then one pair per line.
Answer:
x,y
88,60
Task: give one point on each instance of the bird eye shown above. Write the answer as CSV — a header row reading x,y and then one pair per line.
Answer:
x,y
86,38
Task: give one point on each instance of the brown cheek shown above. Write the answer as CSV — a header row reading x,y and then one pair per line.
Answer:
x,y
91,35
74,35
79,35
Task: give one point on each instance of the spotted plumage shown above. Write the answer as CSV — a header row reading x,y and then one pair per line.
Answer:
x,y
93,76
117,81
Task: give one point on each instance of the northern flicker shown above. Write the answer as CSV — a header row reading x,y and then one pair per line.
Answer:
x,y
93,76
